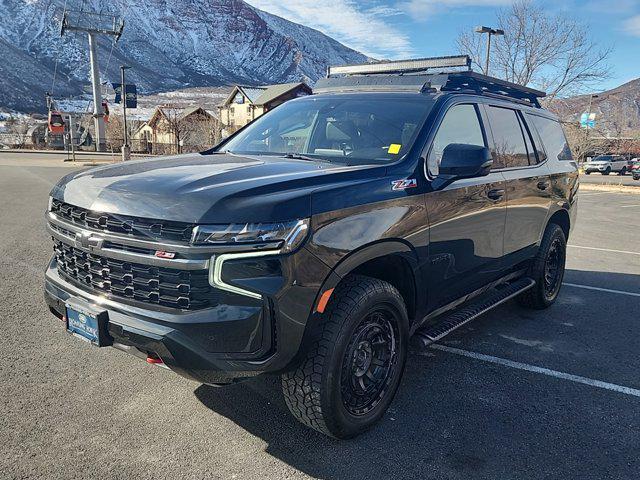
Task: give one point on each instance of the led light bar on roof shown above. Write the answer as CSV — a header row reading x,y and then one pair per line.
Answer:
x,y
399,66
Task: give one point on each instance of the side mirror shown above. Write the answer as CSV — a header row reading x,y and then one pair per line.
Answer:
x,y
465,161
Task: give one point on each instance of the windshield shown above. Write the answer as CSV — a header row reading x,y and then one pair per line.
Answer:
x,y
602,158
354,129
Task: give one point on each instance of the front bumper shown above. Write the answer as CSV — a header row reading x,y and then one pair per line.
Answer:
x,y
240,337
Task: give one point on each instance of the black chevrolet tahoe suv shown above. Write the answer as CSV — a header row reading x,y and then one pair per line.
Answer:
x,y
320,239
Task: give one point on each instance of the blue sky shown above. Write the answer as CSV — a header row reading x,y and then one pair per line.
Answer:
x,y
423,28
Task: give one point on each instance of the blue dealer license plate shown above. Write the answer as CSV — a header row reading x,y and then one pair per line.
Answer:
x,y
83,325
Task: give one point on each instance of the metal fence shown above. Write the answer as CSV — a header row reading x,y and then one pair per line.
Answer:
x,y
19,141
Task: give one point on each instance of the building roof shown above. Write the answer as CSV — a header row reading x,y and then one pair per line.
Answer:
x,y
263,94
252,93
180,113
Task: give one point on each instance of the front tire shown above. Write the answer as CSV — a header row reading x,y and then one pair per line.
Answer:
x,y
355,361
607,171
547,270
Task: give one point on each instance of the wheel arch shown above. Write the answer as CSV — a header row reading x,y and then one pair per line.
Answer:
x,y
562,219
393,261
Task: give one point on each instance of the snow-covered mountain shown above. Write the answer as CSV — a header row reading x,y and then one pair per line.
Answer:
x,y
170,44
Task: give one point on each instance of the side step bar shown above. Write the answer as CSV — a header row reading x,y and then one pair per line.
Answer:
x,y
448,323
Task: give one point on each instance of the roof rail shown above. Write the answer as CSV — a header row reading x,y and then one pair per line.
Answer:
x,y
401,66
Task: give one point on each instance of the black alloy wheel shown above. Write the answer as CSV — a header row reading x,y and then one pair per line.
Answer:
x,y
370,361
547,269
554,268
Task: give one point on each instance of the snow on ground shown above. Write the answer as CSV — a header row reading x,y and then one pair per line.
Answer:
x,y
207,97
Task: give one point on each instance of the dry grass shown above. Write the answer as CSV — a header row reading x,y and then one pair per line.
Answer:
x,y
609,187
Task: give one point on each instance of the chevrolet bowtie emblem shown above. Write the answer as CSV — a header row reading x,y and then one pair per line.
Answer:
x,y
85,240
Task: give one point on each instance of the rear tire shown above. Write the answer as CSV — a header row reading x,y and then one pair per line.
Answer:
x,y
587,173
355,360
547,270
623,171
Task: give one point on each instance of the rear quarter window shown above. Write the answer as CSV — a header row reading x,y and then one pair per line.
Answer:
x,y
553,138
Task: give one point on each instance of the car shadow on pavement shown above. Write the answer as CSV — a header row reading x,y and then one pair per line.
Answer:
x,y
396,448
454,418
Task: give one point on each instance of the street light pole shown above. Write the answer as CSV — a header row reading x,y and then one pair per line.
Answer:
x,y
586,127
126,150
489,31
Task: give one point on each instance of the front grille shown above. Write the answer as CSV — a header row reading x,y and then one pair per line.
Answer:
x,y
122,224
186,290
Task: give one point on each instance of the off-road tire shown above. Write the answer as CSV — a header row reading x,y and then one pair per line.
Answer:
x,y
314,391
540,296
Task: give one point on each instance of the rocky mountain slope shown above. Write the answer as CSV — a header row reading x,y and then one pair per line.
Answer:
x,y
617,110
169,45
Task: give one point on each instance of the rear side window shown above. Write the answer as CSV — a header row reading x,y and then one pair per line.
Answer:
x,y
509,148
555,143
460,125
534,144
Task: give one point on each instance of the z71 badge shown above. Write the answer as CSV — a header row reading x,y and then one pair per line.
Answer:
x,y
404,184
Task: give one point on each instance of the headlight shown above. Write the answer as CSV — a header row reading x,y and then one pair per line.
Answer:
x,y
286,236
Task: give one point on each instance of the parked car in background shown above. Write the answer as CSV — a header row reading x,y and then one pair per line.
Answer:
x,y
635,169
605,164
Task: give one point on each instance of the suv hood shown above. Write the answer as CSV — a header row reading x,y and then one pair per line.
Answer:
x,y
216,188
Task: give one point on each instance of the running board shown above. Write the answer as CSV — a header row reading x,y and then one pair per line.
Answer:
x,y
449,323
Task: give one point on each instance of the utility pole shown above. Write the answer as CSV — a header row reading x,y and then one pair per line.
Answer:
x,y
489,31
126,149
94,24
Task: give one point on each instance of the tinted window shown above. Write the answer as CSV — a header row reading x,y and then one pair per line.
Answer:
x,y
536,155
509,147
342,128
460,125
555,143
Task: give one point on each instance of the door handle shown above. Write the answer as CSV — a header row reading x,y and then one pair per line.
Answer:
x,y
543,185
495,194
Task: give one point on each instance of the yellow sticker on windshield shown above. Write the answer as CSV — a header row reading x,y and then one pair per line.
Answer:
x,y
394,148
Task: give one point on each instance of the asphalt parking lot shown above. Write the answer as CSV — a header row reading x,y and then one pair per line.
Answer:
x,y
516,394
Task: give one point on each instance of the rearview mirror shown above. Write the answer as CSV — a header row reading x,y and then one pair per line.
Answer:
x,y
465,161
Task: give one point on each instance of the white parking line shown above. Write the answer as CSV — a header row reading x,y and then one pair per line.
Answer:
x,y
629,206
599,289
627,252
544,371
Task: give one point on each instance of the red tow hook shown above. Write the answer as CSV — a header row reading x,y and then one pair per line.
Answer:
x,y
154,359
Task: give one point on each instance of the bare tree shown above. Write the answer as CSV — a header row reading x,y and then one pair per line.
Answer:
x,y
18,130
583,143
549,51
194,132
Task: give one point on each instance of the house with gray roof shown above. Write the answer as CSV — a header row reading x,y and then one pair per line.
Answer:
x,y
245,103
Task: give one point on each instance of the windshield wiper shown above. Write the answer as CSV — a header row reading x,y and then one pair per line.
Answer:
x,y
298,156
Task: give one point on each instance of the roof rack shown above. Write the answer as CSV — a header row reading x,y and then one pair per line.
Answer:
x,y
413,76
